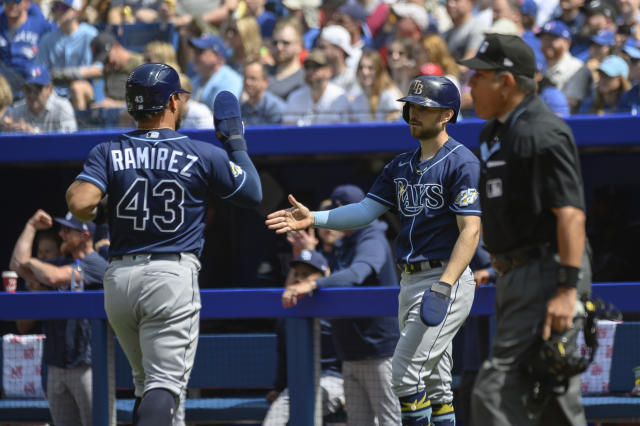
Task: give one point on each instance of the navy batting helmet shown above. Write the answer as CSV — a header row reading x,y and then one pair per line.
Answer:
x,y
150,86
432,91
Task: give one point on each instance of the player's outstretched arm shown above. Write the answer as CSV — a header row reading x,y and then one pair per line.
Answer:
x,y
295,218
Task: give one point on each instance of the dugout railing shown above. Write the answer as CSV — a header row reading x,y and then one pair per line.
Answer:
x,y
251,303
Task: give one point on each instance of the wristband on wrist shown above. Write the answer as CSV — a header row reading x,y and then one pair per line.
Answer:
x,y
568,276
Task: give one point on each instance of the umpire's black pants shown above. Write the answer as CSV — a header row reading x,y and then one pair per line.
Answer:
x,y
501,392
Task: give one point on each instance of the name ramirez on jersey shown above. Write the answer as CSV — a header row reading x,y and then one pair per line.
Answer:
x,y
146,157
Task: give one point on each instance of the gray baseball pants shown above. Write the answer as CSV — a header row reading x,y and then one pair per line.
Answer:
x,y
422,358
154,309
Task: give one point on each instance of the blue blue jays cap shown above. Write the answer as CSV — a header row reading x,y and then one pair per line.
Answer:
x,y
529,7
346,194
614,66
604,38
556,28
37,75
70,221
209,41
632,48
313,259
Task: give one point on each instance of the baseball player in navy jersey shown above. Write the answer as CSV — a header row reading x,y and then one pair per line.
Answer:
x,y
434,191
158,182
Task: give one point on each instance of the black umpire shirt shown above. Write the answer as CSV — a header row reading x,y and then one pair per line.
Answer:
x,y
530,164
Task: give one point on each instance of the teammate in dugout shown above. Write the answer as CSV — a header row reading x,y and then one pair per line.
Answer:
x,y
158,183
434,191
534,227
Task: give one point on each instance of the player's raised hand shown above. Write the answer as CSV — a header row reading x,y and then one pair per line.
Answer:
x,y
294,218
41,220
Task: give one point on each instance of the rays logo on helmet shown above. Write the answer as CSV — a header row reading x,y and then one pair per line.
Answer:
x,y
417,87
467,197
235,169
483,46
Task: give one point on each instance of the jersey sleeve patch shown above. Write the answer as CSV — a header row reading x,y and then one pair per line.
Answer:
x,y
466,197
235,169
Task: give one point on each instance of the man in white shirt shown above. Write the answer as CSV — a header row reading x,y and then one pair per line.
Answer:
x,y
555,41
319,101
41,110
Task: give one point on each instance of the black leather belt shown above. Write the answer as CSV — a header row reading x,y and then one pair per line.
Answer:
x,y
412,268
504,262
153,256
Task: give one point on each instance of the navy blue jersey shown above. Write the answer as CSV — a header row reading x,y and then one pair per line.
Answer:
x,y
159,182
427,196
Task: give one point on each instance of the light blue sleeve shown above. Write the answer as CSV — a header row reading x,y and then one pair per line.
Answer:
x,y
351,216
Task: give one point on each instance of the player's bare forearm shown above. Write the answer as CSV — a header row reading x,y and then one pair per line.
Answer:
x,y
24,245
82,199
464,248
51,275
570,234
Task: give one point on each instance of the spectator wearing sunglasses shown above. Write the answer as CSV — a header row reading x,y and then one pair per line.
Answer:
x,y
20,32
42,110
66,53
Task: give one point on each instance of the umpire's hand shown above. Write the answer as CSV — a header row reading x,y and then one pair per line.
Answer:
x,y
294,218
560,311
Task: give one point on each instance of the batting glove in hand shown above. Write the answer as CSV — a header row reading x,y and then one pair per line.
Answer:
x,y
229,126
435,302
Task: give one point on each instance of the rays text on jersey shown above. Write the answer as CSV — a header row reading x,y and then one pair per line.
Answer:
x,y
153,158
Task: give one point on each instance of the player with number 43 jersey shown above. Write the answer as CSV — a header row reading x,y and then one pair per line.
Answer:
x,y
158,182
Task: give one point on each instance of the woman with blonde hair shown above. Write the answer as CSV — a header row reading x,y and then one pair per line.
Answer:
x,y
431,48
243,37
161,52
376,99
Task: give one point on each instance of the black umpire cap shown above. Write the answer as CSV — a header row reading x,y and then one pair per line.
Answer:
x,y
504,52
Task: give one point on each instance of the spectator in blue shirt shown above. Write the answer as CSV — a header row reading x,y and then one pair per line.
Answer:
x,y
66,53
550,94
630,100
20,33
214,75
365,345
67,348
261,107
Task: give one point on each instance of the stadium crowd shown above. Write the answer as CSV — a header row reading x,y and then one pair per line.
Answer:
x,y
63,63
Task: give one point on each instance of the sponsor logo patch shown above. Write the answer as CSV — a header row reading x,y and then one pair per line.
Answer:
x,y
235,169
467,197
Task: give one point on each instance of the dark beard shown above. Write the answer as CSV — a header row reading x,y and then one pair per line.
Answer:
x,y
178,122
425,133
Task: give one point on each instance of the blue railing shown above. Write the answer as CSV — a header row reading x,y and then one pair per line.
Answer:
x,y
259,303
590,131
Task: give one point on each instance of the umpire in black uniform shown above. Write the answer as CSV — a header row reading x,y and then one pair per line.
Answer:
x,y
534,227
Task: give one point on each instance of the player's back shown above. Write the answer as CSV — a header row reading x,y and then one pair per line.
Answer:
x,y
158,183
